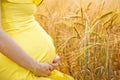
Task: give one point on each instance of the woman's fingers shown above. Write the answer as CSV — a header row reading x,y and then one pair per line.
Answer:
x,y
51,68
43,69
57,59
55,64
48,72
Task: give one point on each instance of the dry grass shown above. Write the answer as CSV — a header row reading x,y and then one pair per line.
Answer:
x,y
86,35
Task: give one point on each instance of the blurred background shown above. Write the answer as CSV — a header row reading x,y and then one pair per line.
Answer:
x,y
86,34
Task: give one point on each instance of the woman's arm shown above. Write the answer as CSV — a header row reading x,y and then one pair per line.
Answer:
x,y
10,49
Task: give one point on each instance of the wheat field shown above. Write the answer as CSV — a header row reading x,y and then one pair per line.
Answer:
x,y
86,34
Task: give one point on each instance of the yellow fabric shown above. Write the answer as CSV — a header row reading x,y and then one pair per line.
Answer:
x,y
19,23
37,2
21,1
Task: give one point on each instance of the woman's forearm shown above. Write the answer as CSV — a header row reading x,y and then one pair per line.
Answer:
x,y
10,49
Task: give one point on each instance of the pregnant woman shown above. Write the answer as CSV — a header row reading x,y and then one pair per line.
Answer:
x,y
26,50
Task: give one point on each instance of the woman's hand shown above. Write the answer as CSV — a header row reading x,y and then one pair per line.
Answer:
x,y
56,61
43,69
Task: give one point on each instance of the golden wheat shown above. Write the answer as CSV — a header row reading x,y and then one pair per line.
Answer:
x,y
86,35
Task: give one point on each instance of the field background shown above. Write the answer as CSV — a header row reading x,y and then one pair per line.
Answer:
x,y
86,34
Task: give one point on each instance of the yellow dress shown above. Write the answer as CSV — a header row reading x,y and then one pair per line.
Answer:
x,y
19,23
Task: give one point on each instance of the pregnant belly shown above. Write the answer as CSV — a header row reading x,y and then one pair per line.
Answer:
x,y
36,42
